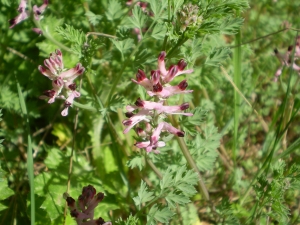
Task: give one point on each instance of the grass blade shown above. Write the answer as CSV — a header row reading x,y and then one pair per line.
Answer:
x,y
29,154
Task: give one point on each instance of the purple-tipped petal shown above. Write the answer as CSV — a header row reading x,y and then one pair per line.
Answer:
x,y
184,106
71,202
183,85
161,64
140,76
181,65
173,70
155,76
37,30
129,114
158,87
18,19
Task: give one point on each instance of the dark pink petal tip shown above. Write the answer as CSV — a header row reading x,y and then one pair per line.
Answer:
x,y
157,88
100,196
58,52
173,70
155,75
12,23
74,213
72,87
139,103
88,191
162,56
140,76
127,122
184,106
41,69
180,134
37,30
183,85
139,130
129,114
67,104
181,64
100,221
70,202
49,93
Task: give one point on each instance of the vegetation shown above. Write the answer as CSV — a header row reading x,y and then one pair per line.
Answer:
x,y
211,134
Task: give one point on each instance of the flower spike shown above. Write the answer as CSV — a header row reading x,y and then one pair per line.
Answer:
x,y
150,113
62,80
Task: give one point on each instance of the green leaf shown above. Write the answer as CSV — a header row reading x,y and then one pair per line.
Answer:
x,y
190,122
163,215
74,36
204,150
138,18
217,56
157,7
159,31
124,46
143,195
167,180
114,10
231,25
176,5
175,198
131,220
93,18
4,189
116,102
137,160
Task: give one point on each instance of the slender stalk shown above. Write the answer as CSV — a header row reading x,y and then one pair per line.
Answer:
x,y
237,64
193,165
154,168
71,162
98,34
29,155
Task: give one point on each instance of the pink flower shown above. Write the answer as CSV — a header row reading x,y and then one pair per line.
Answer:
x,y
37,30
173,71
167,91
19,18
39,10
24,14
151,113
286,59
62,80
87,202
135,119
154,142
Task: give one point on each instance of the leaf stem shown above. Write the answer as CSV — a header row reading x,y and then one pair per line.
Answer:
x,y
29,154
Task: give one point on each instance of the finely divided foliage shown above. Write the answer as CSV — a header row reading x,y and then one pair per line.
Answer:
x,y
142,107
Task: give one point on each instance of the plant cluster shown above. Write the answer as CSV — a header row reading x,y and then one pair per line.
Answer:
x,y
201,134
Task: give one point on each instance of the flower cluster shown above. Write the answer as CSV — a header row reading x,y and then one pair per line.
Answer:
x,y
62,80
153,113
24,14
286,59
188,16
83,212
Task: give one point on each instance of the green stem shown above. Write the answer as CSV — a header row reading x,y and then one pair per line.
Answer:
x,y
29,155
237,62
193,165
